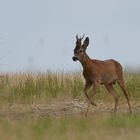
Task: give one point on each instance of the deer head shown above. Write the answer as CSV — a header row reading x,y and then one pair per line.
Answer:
x,y
80,48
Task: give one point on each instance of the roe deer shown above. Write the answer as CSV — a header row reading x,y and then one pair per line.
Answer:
x,y
98,72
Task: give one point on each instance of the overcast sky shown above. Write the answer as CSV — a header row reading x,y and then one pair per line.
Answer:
x,y
40,34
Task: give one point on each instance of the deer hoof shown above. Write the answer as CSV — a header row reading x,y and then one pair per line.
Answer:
x,y
93,103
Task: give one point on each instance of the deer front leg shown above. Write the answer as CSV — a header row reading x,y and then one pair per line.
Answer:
x,y
87,86
94,93
91,98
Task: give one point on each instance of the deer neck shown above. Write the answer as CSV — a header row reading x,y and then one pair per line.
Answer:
x,y
86,61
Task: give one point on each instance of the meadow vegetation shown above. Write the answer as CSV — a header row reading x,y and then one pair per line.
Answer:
x,y
29,87
22,94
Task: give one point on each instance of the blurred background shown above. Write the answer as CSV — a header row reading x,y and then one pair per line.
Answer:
x,y
39,35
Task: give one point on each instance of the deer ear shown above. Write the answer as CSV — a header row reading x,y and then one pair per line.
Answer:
x,y
77,37
86,42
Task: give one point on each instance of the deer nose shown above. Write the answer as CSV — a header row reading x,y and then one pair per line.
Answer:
x,y
74,58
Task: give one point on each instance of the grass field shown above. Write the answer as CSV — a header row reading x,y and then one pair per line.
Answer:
x,y
51,106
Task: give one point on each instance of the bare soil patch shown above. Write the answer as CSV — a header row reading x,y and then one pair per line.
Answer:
x,y
62,109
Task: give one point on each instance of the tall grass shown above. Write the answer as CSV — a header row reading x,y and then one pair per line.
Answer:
x,y
29,87
24,87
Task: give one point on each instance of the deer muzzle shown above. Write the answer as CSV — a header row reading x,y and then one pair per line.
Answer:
x,y
74,58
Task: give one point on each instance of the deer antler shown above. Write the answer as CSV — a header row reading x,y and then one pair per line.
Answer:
x,y
77,36
82,36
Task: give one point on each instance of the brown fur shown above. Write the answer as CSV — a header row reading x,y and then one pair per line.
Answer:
x,y
98,72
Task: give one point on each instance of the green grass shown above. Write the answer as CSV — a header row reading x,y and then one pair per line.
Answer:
x,y
77,128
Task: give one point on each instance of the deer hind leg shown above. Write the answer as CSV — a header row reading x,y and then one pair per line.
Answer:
x,y
122,86
115,95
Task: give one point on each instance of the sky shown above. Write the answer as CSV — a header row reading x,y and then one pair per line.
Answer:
x,y
39,35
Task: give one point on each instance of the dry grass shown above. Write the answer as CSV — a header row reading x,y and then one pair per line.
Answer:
x,y
31,87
